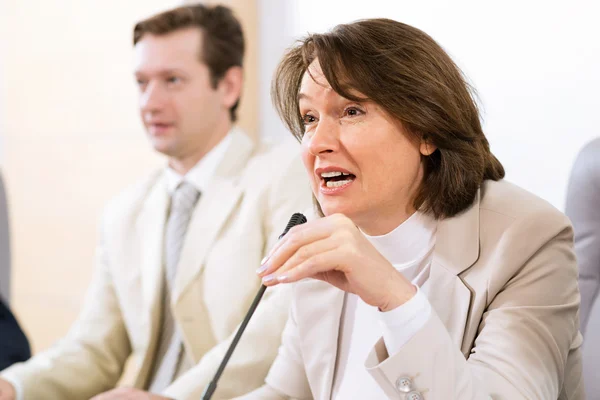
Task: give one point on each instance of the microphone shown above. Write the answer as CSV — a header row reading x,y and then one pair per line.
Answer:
x,y
296,219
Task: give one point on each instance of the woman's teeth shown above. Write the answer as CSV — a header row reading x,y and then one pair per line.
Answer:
x,y
333,174
334,179
331,184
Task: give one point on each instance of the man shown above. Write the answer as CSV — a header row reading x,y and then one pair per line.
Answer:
x,y
583,195
189,71
582,208
14,346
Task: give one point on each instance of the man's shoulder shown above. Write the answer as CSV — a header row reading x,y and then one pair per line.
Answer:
x,y
586,168
273,162
275,152
133,196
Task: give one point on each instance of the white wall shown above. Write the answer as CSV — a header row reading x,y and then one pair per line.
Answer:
x,y
535,63
275,33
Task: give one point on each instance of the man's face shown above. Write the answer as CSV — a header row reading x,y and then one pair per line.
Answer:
x,y
180,109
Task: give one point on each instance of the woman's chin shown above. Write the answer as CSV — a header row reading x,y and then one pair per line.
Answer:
x,y
337,207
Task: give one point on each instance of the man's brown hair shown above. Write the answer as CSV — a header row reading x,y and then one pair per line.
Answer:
x,y
411,77
222,36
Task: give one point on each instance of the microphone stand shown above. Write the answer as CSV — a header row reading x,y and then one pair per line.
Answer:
x,y
296,219
212,386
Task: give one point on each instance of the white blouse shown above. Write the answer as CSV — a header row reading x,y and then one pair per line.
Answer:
x,y
409,249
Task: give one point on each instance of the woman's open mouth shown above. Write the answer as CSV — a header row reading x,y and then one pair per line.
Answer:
x,y
336,179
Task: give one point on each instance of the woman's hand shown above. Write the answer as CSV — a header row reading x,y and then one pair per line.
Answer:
x,y
333,250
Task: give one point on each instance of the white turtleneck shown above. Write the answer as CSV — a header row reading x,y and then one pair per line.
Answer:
x,y
409,249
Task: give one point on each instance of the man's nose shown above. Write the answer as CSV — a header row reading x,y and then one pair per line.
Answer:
x,y
152,98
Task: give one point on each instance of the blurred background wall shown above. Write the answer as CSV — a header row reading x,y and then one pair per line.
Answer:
x,y
70,136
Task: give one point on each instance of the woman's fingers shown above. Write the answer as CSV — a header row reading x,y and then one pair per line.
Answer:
x,y
302,254
318,263
296,238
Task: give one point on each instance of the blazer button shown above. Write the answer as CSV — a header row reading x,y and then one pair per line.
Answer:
x,y
404,384
414,396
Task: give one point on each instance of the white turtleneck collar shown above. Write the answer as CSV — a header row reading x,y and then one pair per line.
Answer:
x,y
408,242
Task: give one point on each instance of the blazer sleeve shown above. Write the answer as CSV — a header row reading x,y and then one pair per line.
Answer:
x,y
257,348
90,359
524,337
583,208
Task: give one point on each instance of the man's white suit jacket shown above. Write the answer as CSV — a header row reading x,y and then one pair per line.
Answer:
x,y
238,218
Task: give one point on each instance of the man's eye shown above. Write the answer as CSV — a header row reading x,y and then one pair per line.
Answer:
x,y
173,79
308,119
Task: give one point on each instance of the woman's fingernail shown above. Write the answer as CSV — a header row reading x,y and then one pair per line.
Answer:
x,y
282,278
264,260
268,278
262,269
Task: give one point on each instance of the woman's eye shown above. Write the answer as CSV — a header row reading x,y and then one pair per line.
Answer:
x,y
173,79
308,119
352,111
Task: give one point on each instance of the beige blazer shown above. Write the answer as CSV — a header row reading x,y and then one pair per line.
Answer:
x,y
503,287
238,218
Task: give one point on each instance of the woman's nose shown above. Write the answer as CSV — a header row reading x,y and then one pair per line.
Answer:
x,y
325,138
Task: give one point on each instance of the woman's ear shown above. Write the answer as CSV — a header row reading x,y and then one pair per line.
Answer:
x,y
426,147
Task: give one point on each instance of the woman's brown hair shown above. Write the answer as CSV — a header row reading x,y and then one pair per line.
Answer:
x,y
403,70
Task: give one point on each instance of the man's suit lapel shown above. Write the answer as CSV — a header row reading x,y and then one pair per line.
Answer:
x,y
150,231
456,249
212,210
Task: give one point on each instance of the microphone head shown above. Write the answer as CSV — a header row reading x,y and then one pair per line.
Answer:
x,y
296,219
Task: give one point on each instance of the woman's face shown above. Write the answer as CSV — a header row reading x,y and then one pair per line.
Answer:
x,y
360,161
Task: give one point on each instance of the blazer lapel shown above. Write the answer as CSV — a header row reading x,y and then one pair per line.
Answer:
x,y
319,333
150,230
214,206
456,249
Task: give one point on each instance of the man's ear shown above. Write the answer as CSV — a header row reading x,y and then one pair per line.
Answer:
x,y
231,86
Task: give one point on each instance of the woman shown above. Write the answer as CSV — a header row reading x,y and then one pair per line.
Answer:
x,y
429,276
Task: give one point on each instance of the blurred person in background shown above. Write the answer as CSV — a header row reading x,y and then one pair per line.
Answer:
x,y
428,276
583,208
178,251
14,346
